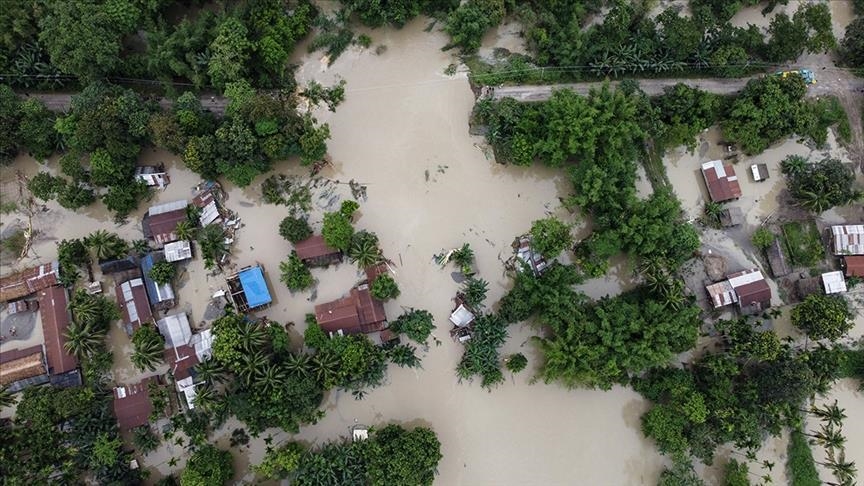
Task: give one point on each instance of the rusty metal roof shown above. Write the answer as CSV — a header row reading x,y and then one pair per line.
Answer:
x,y
314,247
53,305
721,180
28,281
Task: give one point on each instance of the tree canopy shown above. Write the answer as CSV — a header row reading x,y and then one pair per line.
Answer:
x,y
821,185
207,466
823,316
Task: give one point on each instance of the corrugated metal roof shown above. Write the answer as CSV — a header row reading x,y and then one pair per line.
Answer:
x,y
848,239
461,317
178,250
28,281
156,293
833,282
721,180
854,266
53,304
175,328
167,207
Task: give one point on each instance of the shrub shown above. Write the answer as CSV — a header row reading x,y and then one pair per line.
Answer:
x,y
762,238
295,275
162,272
294,229
384,288
416,324
517,362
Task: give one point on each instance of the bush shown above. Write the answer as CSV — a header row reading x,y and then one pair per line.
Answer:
x,y
762,238
208,466
821,186
295,229
384,288
516,362
800,463
295,275
550,237
45,186
337,231
823,317
416,324
162,272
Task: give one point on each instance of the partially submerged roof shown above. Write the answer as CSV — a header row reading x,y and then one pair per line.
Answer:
x,y
731,216
178,250
854,266
721,180
721,294
181,360
156,292
160,222
833,282
186,386
132,405
314,247
28,281
209,208
254,287
175,329
53,305
20,368
355,313
848,239
461,317
133,302
202,343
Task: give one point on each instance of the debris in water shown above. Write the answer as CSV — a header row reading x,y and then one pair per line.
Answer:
x,y
427,175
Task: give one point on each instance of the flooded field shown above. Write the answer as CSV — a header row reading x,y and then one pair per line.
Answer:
x,y
403,133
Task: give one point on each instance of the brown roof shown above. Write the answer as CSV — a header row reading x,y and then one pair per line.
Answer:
x,y
13,354
854,266
133,303
132,405
750,287
161,227
721,180
356,313
28,281
21,368
180,360
53,304
314,247
375,270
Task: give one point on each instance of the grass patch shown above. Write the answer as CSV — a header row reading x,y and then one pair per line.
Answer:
x,y
803,243
800,464
853,365
652,162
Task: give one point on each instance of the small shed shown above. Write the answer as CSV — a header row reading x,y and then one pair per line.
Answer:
x,y
848,239
759,171
132,405
248,289
314,251
178,251
731,216
854,266
462,317
833,282
777,259
721,180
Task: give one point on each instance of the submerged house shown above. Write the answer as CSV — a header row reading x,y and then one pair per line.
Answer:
x,y
526,255
20,368
152,175
161,295
120,265
747,288
356,313
248,289
848,239
777,259
721,180
132,406
462,318
160,222
314,251
29,281
134,304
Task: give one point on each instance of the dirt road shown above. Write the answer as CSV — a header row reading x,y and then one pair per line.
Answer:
x,y
830,81
61,102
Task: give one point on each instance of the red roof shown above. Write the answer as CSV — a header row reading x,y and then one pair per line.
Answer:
x,y
133,302
721,180
132,405
314,247
854,266
28,281
180,360
375,270
754,291
356,313
161,227
53,305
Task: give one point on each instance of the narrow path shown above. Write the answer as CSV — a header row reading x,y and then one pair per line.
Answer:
x,y
61,102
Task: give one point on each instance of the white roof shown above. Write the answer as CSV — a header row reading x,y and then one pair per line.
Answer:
x,y
360,433
461,317
129,299
848,239
722,294
209,213
178,250
834,282
175,329
747,278
717,165
187,386
167,207
203,344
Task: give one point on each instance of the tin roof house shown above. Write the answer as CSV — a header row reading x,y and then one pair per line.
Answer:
x,y
721,180
853,266
314,251
747,288
356,313
161,295
134,304
132,406
29,281
848,239
160,222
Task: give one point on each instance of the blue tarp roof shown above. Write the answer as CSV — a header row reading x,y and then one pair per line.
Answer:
x,y
254,286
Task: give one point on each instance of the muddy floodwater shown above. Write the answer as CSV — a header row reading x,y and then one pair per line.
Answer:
x,y
403,133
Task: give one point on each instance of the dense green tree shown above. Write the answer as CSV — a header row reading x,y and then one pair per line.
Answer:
x,y
230,51
823,316
788,39
294,273
684,113
822,185
681,474
10,105
280,462
852,47
404,456
337,231
295,229
211,239
36,129
384,288
762,238
207,466
467,24
481,356
149,346
163,272
417,324
550,236
516,362
45,186
736,474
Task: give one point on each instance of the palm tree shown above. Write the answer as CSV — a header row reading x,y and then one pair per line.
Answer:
x,y
251,365
149,347
140,246
252,337
843,470
364,251
6,397
211,370
326,366
185,230
464,256
85,309
474,290
82,340
206,397
269,377
828,437
211,238
831,414
99,242
298,363
712,212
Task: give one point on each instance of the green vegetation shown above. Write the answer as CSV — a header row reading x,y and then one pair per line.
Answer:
x,y
163,272
474,292
516,362
417,324
364,249
294,274
851,49
211,240
384,288
149,346
823,317
800,464
337,230
295,229
144,439
736,473
467,24
391,455
27,126
287,191
550,237
349,362
14,243
852,365
481,357
464,259
803,243
207,466
762,238
822,185
684,112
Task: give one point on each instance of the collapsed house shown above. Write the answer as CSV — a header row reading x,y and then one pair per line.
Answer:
x,y
152,175
29,281
747,288
462,319
184,350
527,256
